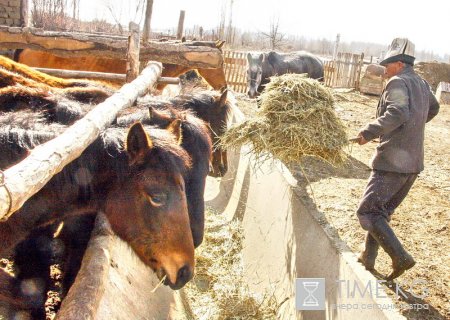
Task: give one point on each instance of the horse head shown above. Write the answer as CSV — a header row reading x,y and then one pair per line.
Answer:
x,y
148,209
195,139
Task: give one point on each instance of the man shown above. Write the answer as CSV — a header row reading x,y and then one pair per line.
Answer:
x,y
406,104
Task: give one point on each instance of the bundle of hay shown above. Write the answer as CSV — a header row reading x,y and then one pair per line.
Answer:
x,y
296,118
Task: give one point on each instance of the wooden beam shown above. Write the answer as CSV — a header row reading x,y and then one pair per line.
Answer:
x,y
133,52
26,178
68,44
148,19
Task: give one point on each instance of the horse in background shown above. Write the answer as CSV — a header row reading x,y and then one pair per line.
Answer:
x,y
265,65
216,110
140,188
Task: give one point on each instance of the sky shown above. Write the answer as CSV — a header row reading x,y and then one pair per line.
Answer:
x,y
378,21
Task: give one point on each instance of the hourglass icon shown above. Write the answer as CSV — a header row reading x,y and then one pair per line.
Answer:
x,y
310,300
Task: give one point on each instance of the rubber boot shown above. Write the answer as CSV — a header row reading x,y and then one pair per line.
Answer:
x,y
368,256
401,260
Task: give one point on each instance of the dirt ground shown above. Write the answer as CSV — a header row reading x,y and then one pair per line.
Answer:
x,y
422,222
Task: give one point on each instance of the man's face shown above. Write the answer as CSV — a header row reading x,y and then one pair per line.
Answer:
x,y
393,69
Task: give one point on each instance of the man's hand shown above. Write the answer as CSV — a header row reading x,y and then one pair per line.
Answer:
x,y
361,140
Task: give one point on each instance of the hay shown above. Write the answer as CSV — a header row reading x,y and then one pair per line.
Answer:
x,y
218,290
296,119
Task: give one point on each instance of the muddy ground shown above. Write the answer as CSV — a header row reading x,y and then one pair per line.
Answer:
x,y
422,222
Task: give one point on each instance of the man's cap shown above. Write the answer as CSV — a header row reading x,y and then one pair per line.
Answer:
x,y
401,49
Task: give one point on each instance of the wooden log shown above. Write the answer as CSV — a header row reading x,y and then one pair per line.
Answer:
x,y
147,21
27,177
67,44
133,52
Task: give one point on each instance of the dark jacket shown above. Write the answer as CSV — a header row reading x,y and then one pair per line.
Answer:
x,y
406,104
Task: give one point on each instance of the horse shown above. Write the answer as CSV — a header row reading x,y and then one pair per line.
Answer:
x,y
42,59
134,177
265,65
195,139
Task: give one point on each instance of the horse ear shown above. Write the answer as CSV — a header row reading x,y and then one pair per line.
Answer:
x,y
156,116
223,98
249,57
261,58
175,128
138,143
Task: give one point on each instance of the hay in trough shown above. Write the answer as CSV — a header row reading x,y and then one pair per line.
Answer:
x,y
218,290
296,119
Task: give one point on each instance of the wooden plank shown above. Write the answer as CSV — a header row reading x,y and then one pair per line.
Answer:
x,y
26,178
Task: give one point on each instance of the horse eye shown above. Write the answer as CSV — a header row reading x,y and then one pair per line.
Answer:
x,y
158,199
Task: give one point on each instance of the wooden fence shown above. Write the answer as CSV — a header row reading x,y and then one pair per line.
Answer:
x,y
345,71
235,67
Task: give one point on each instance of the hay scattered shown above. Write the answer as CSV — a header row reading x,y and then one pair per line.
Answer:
x,y
218,290
296,119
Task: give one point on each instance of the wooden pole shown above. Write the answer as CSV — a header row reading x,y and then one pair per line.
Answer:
x,y
148,19
26,178
133,52
180,25
118,77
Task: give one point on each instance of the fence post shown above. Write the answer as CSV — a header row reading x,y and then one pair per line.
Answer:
x,y
180,25
148,19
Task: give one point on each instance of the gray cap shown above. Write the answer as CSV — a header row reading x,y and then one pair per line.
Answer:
x,y
401,49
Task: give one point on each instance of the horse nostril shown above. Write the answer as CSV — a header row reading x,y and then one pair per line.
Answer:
x,y
184,275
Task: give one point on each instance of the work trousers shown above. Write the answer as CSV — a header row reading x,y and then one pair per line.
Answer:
x,y
385,191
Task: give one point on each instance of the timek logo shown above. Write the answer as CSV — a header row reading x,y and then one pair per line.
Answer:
x,y
310,294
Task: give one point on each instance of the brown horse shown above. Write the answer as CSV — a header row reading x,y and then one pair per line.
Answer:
x,y
41,59
195,139
139,187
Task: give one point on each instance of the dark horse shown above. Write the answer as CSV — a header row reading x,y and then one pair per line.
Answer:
x,y
215,110
265,65
140,188
195,139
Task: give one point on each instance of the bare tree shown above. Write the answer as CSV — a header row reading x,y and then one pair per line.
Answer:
x,y
223,13
274,35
